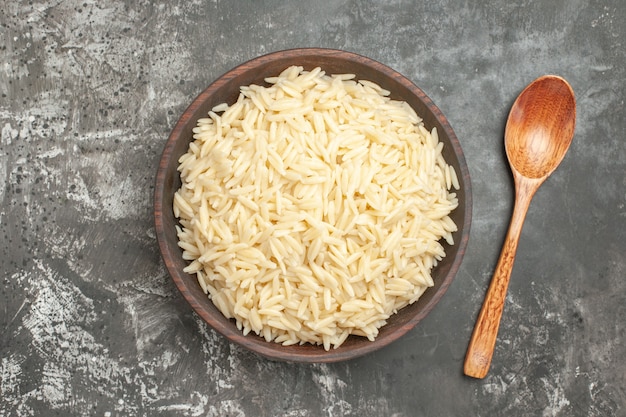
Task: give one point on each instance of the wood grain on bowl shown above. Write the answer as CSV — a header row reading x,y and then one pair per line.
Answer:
x,y
226,89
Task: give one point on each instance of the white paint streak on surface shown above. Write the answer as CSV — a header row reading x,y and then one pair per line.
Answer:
x,y
55,385
4,166
196,406
8,134
331,388
58,318
10,376
231,408
557,400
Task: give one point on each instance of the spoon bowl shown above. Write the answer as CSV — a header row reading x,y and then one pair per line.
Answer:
x,y
540,127
538,134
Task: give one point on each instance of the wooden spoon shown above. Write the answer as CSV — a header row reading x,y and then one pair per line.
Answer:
x,y
538,133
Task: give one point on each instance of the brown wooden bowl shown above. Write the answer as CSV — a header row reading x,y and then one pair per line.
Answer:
x,y
226,89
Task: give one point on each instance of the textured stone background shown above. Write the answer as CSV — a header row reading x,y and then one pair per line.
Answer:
x,y
90,323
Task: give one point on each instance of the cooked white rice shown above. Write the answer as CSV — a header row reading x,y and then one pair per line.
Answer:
x,y
313,209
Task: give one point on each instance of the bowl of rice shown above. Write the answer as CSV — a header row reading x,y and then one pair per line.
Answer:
x,y
312,205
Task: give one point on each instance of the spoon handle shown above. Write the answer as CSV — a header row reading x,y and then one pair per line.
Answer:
x,y
483,341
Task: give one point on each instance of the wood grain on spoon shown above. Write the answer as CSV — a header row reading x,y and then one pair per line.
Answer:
x,y
538,133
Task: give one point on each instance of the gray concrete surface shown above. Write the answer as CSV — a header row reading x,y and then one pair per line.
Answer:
x,y
90,323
